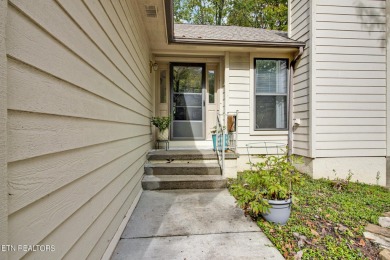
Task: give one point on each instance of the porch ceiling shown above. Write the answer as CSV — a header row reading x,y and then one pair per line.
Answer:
x,y
156,29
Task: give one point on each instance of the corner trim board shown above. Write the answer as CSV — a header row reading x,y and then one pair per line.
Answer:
x,y
114,241
3,130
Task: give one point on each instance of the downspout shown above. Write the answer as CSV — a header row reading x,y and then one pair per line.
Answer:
x,y
290,101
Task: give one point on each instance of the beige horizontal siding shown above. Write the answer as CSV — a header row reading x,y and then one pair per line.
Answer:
x,y
351,78
351,137
350,152
239,99
300,31
79,103
239,94
348,3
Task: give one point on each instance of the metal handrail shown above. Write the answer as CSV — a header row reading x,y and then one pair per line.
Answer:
x,y
225,140
220,144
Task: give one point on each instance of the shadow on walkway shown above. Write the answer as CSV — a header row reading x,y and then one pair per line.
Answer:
x,y
192,224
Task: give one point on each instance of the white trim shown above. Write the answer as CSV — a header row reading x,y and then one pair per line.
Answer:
x,y
289,19
114,241
268,132
211,117
312,77
388,78
221,88
227,86
187,59
387,89
3,130
252,105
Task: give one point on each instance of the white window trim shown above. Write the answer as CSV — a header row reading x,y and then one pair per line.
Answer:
x,y
252,100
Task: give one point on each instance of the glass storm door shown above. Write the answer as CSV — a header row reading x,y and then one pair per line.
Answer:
x,y
187,101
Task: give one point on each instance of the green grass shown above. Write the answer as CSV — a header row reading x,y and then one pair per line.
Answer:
x,y
328,222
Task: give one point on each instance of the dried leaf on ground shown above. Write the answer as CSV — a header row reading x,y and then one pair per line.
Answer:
x,y
315,233
342,228
298,255
309,223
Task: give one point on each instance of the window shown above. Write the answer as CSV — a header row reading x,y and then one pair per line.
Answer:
x,y
270,94
163,86
211,77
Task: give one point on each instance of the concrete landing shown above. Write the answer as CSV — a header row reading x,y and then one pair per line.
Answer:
x,y
187,155
191,224
174,182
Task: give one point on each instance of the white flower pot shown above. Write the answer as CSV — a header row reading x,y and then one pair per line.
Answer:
x,y
162,135
279,212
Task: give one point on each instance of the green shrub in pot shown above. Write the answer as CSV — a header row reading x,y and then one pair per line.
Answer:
x,y
268,187
162,123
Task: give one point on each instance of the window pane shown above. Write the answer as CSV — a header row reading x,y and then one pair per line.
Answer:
x,y
187,79
271,112
187,99
271,76
211,76
188,113
163,86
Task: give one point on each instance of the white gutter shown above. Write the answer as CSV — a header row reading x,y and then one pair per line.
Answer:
x,y
290,101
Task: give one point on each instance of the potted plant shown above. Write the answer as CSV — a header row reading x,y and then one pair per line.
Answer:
x,y
267,188
162,123
214,137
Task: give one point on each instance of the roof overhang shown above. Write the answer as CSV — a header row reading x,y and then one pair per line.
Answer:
x,y
229,43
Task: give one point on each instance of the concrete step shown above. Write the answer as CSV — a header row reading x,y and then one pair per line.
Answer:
x,y
184,161
182,169
182,155
186,155
172,182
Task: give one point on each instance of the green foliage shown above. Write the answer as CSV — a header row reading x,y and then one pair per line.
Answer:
x,y
187,79
200,11
342,184
266,14
329,222
271,179
161,123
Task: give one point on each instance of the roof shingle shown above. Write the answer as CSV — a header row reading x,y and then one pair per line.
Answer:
x,y
230,33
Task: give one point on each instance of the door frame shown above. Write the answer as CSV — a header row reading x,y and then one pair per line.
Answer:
x,y
203,83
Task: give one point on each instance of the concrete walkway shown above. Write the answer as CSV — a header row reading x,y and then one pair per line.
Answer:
x,y
192,225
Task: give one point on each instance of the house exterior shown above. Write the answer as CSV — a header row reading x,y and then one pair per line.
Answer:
x,y
341,87
81,79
